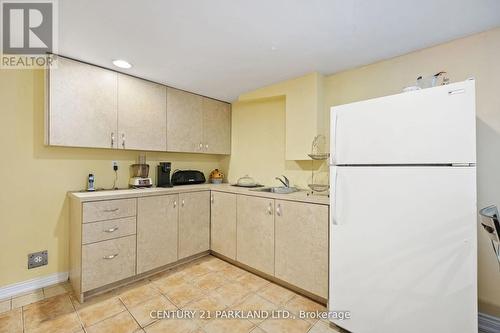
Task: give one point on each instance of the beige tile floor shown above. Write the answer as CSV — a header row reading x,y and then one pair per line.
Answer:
x,y
208,284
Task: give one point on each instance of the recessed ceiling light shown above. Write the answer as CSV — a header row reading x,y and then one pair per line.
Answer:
x,y
122,63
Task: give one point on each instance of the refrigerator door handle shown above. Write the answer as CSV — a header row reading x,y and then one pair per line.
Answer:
x,y
333,142
334,199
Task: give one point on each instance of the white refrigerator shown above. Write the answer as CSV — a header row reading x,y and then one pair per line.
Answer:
x,y
403,212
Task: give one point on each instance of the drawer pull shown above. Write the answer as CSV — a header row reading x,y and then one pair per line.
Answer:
x,y
111,229
111,210
110,257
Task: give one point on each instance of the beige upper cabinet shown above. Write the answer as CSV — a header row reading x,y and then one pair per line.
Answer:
x,y
142,114
302,245
157,218
82,106
223,223
184,121
89,106
216,127
197,124
194,223
255,233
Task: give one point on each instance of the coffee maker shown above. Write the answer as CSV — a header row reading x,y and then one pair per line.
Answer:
x,y
163,174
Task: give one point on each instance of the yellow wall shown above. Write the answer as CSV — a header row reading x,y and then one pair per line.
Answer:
x,y
35,178
477,56
258,145
303,111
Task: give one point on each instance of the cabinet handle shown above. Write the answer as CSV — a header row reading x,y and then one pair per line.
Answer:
x,y
111,210
112,139
111,256
278,210
123,140
456,91
270,209
182,203
175,203
211,199
111,229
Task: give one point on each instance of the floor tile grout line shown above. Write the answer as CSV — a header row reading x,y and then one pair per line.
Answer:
x,y
130,313
103,319
22,318
77,314
112,316
146,300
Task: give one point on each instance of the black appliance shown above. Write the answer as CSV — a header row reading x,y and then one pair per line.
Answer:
x,y
184,177
163,174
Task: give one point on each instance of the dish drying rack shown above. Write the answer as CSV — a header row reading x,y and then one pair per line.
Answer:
x,y
318,154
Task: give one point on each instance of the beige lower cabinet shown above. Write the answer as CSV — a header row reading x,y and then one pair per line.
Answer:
x,y
194,223
103,230
255,233
301,257
157,219
223,223
117,239
108,210
107,262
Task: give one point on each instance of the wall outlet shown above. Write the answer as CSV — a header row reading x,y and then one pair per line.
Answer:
x,y
38,259
115,165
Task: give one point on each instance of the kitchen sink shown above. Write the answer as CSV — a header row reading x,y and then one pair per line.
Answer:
x,y
277,189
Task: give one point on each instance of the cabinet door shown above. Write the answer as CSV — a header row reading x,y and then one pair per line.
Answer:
x,y
194,223
184,121
82,106
142,114
255,233
157,218
107,262
302,245
216,127
223,223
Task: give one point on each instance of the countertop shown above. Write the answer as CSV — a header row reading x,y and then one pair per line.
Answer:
x,y
300,196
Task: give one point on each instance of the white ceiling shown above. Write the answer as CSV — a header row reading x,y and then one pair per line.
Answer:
x,y
222,48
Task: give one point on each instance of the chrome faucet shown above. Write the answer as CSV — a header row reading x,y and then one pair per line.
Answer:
x,y
284,181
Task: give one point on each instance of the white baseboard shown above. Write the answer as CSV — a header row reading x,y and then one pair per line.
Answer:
x,y
488,324
15,289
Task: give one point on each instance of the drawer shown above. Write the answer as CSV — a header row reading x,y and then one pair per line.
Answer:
x,y
107,262
107,210
104,230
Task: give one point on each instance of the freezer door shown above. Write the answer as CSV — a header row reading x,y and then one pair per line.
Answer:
x,y
429,126
403,249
